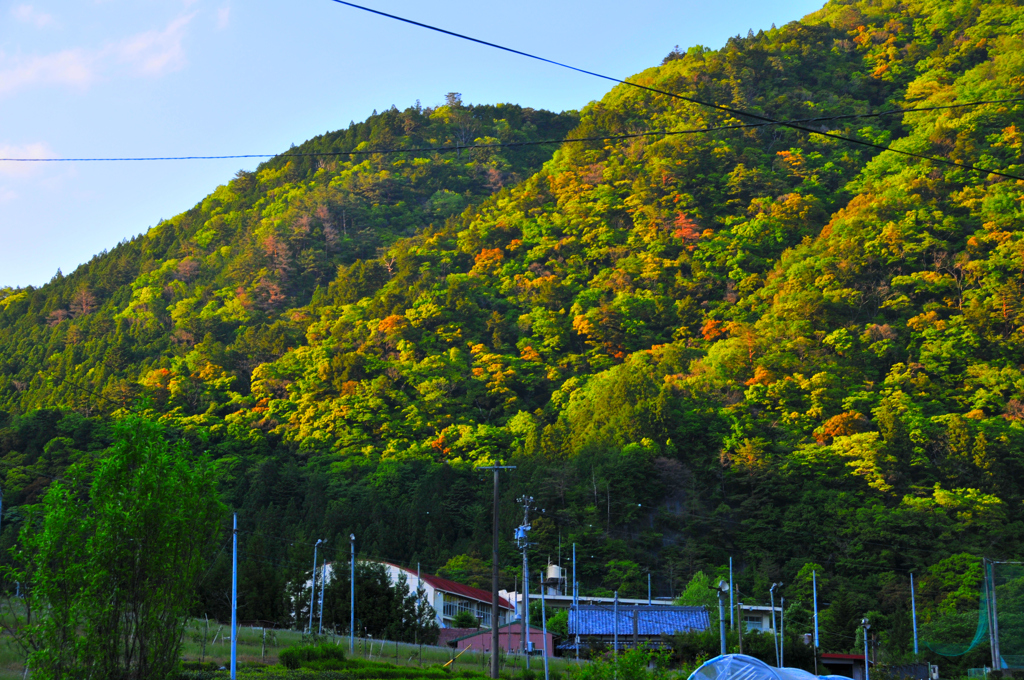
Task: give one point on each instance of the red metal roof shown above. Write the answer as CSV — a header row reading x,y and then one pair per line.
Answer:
x,y
468,592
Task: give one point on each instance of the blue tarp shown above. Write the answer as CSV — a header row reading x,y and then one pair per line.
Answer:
x,y
651,620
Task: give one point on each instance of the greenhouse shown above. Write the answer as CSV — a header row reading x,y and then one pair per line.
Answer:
x,y
742,667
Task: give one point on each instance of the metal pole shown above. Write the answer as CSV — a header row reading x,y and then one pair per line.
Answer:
x,y
234,598
814,586
352,597
494,585
323,584
739,629
913,613
866,661
775,631
721,622
995,618
575,601
312,587
648,589
782,632
544,625
732,623
616,617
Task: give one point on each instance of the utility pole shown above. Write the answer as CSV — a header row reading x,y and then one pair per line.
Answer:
x,y
739,607
312,587
234,598
494,573
997,658
782,632
352,598
523,543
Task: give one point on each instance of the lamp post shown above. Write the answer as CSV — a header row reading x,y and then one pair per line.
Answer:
x,y
867,626
312,587
775,631
722,588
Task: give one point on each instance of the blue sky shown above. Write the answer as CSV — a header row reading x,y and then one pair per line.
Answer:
x,y
90,78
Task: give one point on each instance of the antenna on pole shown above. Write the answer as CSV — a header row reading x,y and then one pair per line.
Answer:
x,y
523,543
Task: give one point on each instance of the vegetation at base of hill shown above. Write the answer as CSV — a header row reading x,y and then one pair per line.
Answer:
x,y
751,342
110,560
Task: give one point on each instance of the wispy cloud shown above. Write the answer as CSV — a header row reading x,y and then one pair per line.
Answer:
x,y
150,53
22,169
223,17
69,67
156,52
30,15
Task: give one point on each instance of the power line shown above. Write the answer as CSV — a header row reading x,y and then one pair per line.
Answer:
x,y
692,100
502,145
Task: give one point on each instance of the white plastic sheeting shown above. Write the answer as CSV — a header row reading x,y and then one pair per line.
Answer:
x,y
743,667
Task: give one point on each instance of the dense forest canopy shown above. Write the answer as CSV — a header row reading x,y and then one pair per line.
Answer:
x,y
755,342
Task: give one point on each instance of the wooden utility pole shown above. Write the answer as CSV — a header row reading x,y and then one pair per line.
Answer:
x,y
494,573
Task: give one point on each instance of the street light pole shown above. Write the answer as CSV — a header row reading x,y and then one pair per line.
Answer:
x,y
312,587
867,626
775,631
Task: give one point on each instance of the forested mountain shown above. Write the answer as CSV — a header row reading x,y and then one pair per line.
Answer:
x,y
751,342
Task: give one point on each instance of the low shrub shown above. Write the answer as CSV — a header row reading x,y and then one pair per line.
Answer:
x,y
325,657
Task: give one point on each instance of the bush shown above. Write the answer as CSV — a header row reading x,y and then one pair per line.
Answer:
x,y
311,655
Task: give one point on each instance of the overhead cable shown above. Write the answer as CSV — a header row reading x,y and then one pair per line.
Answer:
x,y
501,145
692,100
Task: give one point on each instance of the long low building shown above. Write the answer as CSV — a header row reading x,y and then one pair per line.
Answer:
x,y
590,625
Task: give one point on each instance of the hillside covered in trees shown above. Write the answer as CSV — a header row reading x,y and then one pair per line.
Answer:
x,y
751,342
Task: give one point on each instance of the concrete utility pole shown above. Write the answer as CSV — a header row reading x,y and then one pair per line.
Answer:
x,y
814,586
494,573
775,631
323,584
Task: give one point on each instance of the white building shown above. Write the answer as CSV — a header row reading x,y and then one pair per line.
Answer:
x,y
448,598
759,617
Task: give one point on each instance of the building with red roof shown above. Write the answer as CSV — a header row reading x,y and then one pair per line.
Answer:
x,y
448,598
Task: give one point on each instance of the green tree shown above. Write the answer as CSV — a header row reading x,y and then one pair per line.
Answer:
x,y
113,563
465,620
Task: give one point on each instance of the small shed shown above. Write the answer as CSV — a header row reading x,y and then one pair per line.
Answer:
x,y
743,667
635,624
845,665
509,639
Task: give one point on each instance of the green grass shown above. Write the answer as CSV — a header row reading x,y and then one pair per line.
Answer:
x,y
252,652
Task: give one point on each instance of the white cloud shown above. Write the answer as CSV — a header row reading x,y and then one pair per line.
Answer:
x,y
70,67
223,16
22,168
156,52
29,15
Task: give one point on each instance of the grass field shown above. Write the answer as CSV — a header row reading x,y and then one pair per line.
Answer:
x,y
254,648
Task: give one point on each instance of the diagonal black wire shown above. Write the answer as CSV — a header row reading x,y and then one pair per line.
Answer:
x,y
693,100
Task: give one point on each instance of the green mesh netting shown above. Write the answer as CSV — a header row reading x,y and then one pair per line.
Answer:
x,y
1009,590
950,635
957,634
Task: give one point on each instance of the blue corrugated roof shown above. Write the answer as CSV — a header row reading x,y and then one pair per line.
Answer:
x,y
651,620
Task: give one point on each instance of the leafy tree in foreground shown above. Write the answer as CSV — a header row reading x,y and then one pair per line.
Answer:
x,y
112,557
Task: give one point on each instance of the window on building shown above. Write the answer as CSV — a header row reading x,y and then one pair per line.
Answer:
x,y
753,621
